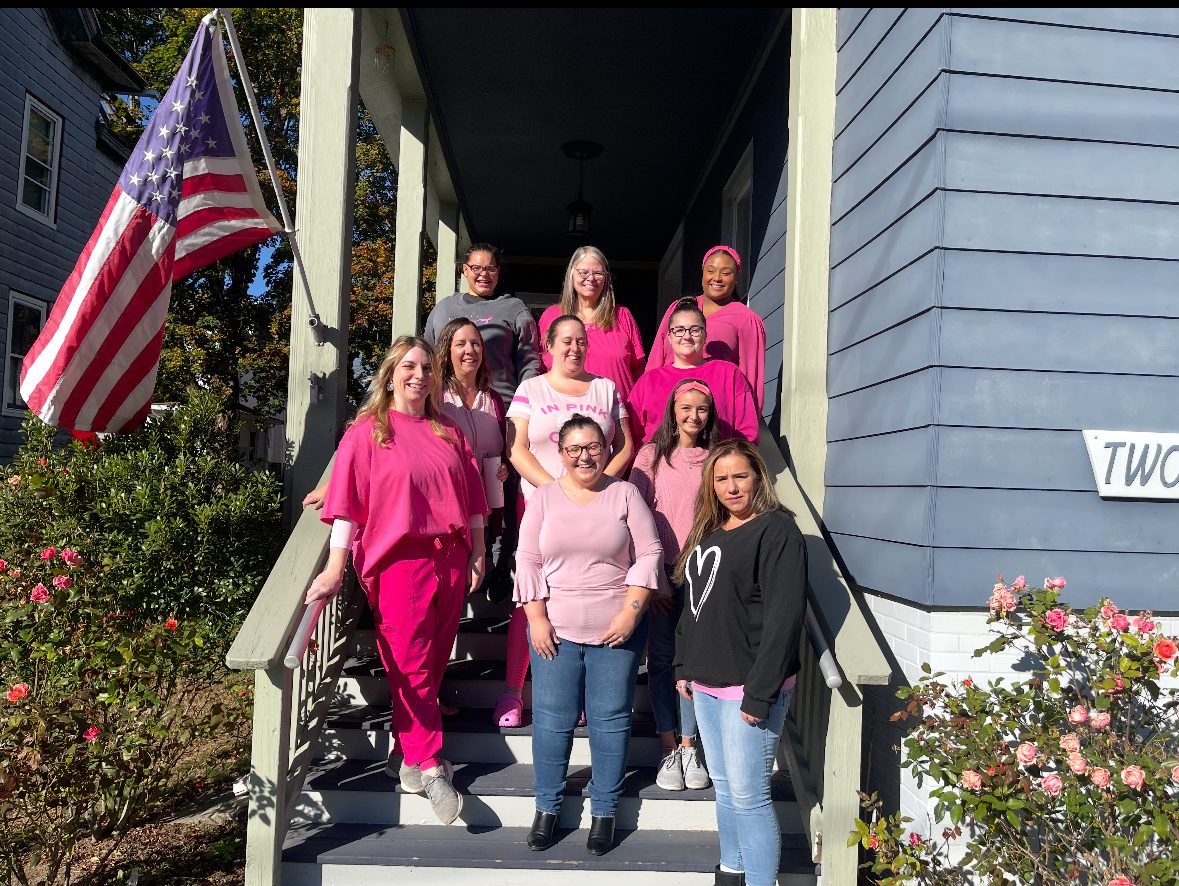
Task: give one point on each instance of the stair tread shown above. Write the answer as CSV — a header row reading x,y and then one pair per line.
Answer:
x,y
476,720
507,780
479,847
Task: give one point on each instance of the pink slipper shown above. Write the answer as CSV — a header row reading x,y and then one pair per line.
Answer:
x,y
581,719
509,711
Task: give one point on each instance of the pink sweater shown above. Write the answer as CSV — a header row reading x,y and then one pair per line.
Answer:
x,y
418,486
670,492
617,355
581,560
735,334
736,410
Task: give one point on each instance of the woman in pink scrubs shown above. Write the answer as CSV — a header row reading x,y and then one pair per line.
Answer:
x,y
406,496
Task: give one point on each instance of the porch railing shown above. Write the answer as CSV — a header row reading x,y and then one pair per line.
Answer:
x,y
296,654
822,746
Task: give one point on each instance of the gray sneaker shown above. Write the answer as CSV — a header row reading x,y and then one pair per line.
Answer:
x,y
695,775
446,802
671,773
410,776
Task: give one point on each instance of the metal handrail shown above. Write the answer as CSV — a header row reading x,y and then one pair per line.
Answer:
x,y
297,651
827,664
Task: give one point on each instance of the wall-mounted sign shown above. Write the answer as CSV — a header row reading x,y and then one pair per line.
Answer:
x,y
1134,464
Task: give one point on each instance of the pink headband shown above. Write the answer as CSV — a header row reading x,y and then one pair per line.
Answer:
x,y
692,386
727,249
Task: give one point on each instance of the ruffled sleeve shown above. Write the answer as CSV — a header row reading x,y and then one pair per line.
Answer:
x,y
647,569
530,580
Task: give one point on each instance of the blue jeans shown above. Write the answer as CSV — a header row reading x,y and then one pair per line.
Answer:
x,y
740,761
600,680
665,701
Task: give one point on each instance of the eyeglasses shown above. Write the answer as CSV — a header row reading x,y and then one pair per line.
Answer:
x,y
574,451
479,269
589,275
681,331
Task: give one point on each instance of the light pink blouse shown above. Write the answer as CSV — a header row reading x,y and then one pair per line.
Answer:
x,y
581,559
670,492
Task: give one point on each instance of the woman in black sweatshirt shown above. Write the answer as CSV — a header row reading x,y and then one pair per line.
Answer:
x,y
737,647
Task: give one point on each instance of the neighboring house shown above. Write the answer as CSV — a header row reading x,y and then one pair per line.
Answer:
x,y
58,164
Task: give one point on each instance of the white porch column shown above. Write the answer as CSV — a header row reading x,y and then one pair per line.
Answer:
x,y
464,241
323,216
411,218
447,240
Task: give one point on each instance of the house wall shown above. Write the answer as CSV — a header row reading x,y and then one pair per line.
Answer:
x,y
36,258
1004,232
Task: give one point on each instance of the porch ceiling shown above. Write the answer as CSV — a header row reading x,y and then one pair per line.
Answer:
x,y
655,87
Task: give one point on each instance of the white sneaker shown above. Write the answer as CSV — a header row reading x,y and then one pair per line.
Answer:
x,y
446,802
410,776
671,774
695,775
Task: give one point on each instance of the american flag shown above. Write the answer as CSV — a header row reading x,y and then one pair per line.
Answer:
x,y
187,197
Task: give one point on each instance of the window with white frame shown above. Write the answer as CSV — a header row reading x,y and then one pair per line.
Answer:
x,y
26,316
40,161
737,214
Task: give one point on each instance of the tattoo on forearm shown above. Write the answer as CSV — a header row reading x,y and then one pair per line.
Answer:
x,y
634,604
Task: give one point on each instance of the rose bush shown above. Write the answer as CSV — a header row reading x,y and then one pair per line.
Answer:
x,y
1070,776
125,571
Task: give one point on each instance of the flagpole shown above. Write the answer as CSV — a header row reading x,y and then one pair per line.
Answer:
x,y
313,321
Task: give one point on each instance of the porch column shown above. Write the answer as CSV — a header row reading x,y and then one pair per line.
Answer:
x,y
464,241
316,390
411,218
447,240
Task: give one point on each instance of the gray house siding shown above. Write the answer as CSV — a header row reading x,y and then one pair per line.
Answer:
x,y
1004,237
762,124
36,258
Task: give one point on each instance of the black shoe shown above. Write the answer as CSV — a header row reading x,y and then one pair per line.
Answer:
x,y
601,835
541,835
723,878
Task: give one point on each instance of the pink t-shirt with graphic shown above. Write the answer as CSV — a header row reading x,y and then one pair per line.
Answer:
x,y
546,409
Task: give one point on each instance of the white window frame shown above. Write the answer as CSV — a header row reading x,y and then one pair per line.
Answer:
x,y
737,215
11,375
49,218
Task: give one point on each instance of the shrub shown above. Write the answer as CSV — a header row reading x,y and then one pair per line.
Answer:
x,y
1068,776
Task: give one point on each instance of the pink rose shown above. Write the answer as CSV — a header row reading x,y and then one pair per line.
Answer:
x,y
1165,649
1175,775
1119,622
873,841
1121,881
39,594
61,582
1001,601
1019,584
91,733
1051,784
1026,754
1100,777
171,624
1078,715
1057,582
3,563
914,839
18,691
1133,777
71,557
1099,720
1070,743
999,586
971,780
1078,764
1057,619
1118,684
49,553
1108,610
1143,625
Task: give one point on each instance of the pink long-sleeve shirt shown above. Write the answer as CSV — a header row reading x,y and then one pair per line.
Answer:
x,y
581,559
670,492
418,486
617,355
736,409
735,334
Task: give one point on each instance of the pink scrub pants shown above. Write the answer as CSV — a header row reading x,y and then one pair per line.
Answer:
x,y
416,604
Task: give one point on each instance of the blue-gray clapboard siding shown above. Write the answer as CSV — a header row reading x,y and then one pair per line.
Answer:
x,y
36,258
1005,230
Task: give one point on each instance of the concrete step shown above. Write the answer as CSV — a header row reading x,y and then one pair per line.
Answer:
x,y
362,733
375,855
498,795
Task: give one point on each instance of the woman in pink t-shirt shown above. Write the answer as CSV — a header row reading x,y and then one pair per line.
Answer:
x,y
539,408
687,341
615,345
735,333
407,497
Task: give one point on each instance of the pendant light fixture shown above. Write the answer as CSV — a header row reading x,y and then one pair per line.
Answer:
x,y
580,211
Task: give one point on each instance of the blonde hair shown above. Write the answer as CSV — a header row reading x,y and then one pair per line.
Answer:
x,y
380,395
604,314
710,513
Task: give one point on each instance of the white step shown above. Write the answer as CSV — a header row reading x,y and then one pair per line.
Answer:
x,y
382,875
